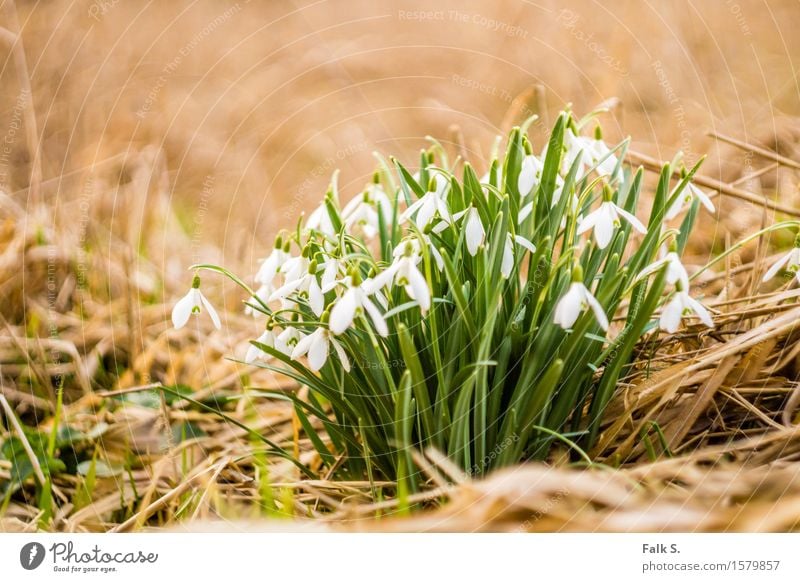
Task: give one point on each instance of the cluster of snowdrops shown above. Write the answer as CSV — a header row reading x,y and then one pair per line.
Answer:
x,y
514,302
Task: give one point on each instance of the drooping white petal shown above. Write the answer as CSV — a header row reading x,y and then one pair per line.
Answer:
x,y
474,231
773,270
524,243
409,212
342,354
631,218
302,347
343,312
318,351
569,307
507,264
525,212
315,297
704,199
700,310
183,309
253,352
671,315
606,223
211,311
588,222
599,313
419,288
529,174
375,315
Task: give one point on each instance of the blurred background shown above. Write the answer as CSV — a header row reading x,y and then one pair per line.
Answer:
x,y
252,105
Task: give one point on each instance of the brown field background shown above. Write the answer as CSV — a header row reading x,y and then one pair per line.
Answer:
x,y
173,132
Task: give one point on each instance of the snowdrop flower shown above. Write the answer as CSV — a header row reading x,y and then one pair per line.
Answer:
x,y
306,287
679,306
317,346
790,261
295,267
606,219
687,196
192,304
320,220
332,268
354,302
254,352
676,272
363,211
601,156
530,174
507,263
272,264
287,340
432,202
575,301
403,272
475,233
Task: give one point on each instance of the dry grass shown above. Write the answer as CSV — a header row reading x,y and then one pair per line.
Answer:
x,y
241,136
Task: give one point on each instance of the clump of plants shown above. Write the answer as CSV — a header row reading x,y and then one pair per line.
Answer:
x,y
487,317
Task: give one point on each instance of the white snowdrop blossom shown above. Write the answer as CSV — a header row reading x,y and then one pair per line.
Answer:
x,y
602,157
192,304
320,220
270,267
606,219
679,306
507,263
790,262
353,303
307,287
530,174
433,202
575,301
676,272
687,196
316,346
255,353
475,233
403,272
363,211
287,340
